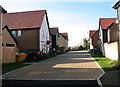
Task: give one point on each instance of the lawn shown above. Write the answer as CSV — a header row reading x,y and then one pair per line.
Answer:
x,y
12,66
105,63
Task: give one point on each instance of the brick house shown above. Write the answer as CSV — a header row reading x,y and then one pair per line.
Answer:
x,y
94,38
111,47
63,42
108,35
9,46
54,38
30,28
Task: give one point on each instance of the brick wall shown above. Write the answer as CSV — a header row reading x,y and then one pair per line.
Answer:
x,y
95,39
29,39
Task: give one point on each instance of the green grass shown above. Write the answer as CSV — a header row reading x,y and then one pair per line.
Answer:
x,y
105,63
12,66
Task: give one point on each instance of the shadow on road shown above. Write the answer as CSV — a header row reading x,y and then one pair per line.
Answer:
x,y
50,83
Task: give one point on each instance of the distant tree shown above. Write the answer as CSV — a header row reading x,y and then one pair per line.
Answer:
x,y
81,47
86,44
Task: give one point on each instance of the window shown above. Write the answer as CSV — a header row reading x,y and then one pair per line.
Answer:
x,y
10,45
19,33
43,34
14,33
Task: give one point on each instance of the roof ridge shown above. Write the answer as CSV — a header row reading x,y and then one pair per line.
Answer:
x,y
25,11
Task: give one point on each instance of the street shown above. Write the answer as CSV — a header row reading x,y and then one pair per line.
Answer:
x,y
73,68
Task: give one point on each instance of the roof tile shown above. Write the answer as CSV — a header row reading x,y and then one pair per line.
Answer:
x,y
106,22
65,35
91,33
54,30
22,20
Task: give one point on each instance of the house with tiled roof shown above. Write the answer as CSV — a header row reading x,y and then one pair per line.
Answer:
x,y
94,38
112,45
63,42
109,37
30,28
54,31
104,23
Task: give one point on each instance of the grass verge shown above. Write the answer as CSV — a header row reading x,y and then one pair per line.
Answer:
x,y
105,63
12,66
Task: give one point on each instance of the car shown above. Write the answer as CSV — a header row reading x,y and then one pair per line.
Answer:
x,y
97,50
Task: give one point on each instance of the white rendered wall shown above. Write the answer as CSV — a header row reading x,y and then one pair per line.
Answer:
x,y
44,36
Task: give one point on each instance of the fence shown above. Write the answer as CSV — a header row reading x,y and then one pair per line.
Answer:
x,y
9,55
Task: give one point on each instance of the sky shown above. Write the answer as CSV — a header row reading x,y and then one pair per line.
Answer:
x,y
76,17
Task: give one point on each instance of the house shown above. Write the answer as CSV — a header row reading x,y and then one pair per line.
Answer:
x,y
117,7
111,47
9,46
30,28
63,42
2,11
54,38
109,37
104,23
94,38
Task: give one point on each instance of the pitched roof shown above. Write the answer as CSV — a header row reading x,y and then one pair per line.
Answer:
x,y
54,30
92,33
65,35
116,5
2,10
106,22
10,33
23,20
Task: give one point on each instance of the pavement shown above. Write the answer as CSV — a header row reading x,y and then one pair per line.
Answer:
x,y
73,68
111,78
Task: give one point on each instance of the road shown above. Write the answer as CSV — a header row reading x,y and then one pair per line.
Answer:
x,y
76,68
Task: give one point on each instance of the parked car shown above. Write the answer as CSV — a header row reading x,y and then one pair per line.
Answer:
x,y
34,54
97,50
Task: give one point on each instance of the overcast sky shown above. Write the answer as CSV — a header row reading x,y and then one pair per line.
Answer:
x,y
76,17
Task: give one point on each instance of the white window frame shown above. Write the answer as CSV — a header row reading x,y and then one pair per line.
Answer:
x,y
19,33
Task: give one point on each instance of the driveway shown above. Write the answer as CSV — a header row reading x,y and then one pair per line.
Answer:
x,y
77,65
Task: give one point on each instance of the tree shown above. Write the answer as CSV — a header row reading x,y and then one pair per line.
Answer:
x,y
86,44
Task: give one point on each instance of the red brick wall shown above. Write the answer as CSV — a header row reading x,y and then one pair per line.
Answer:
x,y
114,33
95,39
29,39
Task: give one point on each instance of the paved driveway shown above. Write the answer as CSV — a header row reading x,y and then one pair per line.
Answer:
x,y
72,65
77,65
